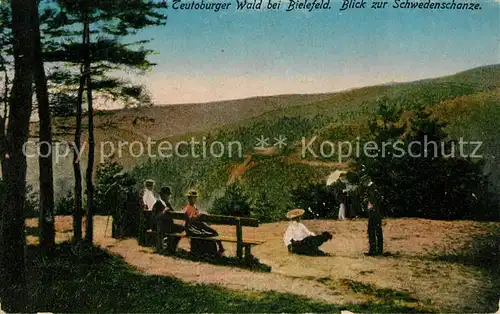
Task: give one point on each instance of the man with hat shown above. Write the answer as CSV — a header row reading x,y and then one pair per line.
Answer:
x,y
375,233
298,239
149,199
164,221
148,195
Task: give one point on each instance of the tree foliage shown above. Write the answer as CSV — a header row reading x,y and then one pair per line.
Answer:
x,y
418,172
233,203
105,178
318,200
110,22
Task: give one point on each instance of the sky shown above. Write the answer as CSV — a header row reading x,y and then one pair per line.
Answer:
x,y
207,56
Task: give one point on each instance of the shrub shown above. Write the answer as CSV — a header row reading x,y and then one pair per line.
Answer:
x,y
318,200
32,202
266,209
65,205
233,203
104,179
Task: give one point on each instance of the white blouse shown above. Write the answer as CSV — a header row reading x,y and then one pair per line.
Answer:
x,y
149,199
296,231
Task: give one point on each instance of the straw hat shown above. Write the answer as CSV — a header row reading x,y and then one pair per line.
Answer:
x,y
295,213
192,193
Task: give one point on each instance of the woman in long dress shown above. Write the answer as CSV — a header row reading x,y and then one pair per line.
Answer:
x,y
342,211
195,227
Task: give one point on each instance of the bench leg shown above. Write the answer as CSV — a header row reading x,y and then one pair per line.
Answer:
x,y
248,252
159,241
239,238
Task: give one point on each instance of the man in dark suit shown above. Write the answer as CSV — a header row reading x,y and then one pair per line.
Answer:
x,y
375,235
164,222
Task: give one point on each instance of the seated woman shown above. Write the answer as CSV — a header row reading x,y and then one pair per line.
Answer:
x,y
164,221
195,227
298,239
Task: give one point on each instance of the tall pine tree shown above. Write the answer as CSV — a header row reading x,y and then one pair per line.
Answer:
x,y
12,236
99,51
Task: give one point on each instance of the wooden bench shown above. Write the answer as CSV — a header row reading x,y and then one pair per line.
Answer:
x,y
239,222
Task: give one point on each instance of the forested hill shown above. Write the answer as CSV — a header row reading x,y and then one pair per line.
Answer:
x,y
468,101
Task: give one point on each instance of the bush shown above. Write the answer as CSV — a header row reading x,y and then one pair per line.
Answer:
x,y
104,179
318,200
233,203
32,202
65,205
267,210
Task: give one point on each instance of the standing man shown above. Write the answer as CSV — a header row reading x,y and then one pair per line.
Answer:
x,y
132,207
124,205
375,235
298,239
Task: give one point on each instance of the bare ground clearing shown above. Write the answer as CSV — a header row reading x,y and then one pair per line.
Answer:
x,y
441,285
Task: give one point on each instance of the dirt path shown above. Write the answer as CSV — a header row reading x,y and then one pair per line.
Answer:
x,y
229,277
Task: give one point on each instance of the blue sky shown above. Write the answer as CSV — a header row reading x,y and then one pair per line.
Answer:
x,y
205,56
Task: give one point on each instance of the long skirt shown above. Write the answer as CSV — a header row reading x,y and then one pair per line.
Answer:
x,y
200,229
309,245
342,212
202,247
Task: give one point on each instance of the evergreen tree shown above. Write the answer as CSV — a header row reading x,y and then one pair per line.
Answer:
x,y
87,35
5,75
46,177
233,203
417,171
12,237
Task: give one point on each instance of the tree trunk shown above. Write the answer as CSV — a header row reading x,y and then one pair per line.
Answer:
x,y
89,231
46,218
12,237
3,118
77,215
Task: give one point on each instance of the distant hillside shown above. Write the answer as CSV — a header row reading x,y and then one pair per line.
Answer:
x,y
157,122
468,101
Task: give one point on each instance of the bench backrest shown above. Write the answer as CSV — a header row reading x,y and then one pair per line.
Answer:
x,y
220,220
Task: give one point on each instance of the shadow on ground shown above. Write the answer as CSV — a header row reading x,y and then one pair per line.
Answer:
x,y
88,279
254,264
481,252
31,231
373,293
